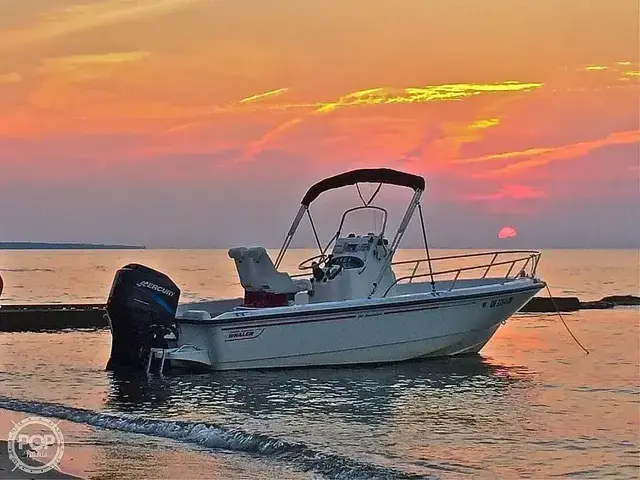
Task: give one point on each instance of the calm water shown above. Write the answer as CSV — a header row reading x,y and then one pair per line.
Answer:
x,y
531,405
85,276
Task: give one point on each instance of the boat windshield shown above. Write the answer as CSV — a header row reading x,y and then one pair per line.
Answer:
x,y
346,262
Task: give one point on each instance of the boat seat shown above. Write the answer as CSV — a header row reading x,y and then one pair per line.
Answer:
x,y
258,273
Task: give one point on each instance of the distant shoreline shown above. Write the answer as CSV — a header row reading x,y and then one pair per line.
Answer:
x,y
65,246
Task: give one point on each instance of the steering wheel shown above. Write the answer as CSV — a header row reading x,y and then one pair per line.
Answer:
x,y
321,258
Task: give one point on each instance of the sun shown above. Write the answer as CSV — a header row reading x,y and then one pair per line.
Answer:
x,y
507,232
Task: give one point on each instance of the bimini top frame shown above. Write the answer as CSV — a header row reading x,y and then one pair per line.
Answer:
x,y
364,175
367,175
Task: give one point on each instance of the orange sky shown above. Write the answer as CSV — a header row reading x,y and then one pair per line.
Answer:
x,y
506,107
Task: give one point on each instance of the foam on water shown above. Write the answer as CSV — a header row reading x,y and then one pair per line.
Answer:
x,y
300,455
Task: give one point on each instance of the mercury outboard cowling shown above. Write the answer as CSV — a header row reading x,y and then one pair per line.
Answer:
x,y
141,310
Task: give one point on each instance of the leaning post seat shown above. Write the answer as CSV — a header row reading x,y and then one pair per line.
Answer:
x,y
262,299
263,285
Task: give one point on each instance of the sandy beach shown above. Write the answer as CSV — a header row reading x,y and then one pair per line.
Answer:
x,y
7,468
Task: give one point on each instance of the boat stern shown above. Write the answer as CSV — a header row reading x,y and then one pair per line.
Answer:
x,y
141,312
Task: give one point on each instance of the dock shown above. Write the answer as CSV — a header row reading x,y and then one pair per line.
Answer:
x,y
52,317
56,317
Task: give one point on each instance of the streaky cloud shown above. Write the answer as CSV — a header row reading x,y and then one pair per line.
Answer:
x,y
514,192
393,96
482,124
101,58
432,93
7,78
256,147
537,157
505,155
87,16
381,96
261,96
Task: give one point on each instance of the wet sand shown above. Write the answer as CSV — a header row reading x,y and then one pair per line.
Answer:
x,y
7,468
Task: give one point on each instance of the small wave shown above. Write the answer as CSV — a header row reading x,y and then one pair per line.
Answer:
x,y
215,437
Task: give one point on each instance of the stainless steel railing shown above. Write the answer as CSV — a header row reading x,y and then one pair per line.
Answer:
x,y
528,258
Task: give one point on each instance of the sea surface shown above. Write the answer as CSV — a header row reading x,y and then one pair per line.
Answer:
x,y
531,405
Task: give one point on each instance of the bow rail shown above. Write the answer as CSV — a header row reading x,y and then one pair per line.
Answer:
x,y
528,258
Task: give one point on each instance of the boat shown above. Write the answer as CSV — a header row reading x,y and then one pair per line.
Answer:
x,y
350,304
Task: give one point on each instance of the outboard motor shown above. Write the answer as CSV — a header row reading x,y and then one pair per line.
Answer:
x,y
141,310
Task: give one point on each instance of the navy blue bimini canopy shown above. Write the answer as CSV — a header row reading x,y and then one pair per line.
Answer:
x,y
364,175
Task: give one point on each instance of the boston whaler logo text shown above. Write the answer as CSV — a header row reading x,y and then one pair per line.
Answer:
x,y
244,334
157,288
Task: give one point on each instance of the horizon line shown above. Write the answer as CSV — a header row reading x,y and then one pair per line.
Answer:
x,y
27,246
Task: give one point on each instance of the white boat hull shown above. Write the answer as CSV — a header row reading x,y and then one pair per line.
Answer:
x,y
426,326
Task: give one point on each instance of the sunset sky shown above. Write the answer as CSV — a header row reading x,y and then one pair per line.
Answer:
x,y
202,122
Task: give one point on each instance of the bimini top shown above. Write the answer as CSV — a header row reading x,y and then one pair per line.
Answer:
x,y
364,175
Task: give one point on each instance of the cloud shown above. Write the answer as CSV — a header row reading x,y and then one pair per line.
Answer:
x,y
537,157
506,155
595,67
7,78
482,124
260,96
514,192
395,96
112,97
380,96
87,16
256,147
182,127
60,70
441,149
99,59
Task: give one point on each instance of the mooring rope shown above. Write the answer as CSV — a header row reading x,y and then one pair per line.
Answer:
x,y
565,323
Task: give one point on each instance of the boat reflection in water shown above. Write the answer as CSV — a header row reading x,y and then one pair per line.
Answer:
x,y
357,394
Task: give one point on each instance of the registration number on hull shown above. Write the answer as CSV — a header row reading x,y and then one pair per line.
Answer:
x,y
497,303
